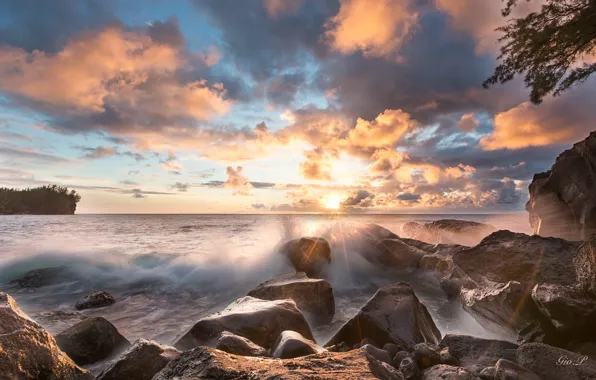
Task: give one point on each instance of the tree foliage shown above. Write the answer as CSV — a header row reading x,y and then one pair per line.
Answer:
x,y
550,47
44,200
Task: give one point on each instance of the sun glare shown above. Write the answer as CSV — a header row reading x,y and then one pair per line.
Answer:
x,y
333,201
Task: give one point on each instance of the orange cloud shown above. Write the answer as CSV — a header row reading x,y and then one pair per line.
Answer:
x,y
236,180
383,132
468,122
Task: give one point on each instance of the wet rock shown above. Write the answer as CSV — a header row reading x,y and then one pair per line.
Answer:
x,y
377,353
207,363
409,368
476,353
585,265
91,340
391,349
437,263
399,356
310,255
382,370
58,320
38,278
447,372
561,200
239,345
358,238
395,254
507,370
27,351
445,357
291,344
314,297
450,231
426,355
140,362
259,320
551,363
393,315
99,298
488,373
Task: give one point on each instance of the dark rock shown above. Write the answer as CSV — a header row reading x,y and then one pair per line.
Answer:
x,y
259,320
358,238
340,347
476,353
27,351
291,344
393,315
488,373
450,231
507,370
561,200
542,331
395,254
447,372
426,355
585,265
382,370
58,320
38,278
140,362
551,363
314,297
311,255
437,263
366,341
239,345
409,368
399,356
445,357
91,340
207,363
451,287
391,349
377,353
99,298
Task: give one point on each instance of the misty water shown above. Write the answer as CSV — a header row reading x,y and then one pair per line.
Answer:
x,y
167,271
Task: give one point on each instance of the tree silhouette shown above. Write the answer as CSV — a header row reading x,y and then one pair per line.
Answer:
x,y
44,200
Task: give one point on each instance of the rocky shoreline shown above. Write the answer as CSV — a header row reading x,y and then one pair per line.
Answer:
x,y
539,292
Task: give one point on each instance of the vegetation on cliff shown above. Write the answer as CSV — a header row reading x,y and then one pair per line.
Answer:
x,y
44,200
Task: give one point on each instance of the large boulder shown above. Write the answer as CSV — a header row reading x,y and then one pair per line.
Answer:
x,y
91,340
93,300
395,254
311,255
261,321
291,344
585,265
551,363
140,362
314,297
239,345
207,363
449,231
393,315
477,353
27,351
561,200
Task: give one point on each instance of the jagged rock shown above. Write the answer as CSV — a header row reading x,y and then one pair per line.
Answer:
x,y
450,231
585,265
409,368
377,353
140,362
393,315
314,297
508,370
445,357
570,310
259,320
476,353
99,298
291,344
91,340
395,254
311,255
447,372
358,238
207,363
239,345
38,278
489,373
382,370
426,355
58,320
27,351
399,356
340,347
435,262
561,200
551,363
391,349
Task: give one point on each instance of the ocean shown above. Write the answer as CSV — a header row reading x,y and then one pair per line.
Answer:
x,y
167,271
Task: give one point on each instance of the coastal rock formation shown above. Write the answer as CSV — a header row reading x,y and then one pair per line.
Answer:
x,y
585,265
358,237
140,362
38,278
394,253
259,320
310,255
551,363
91,340
207,363
448,372
393,315
377,353
314,297
27,351
506,369
56,321
449,231
290,345
239,345
477,353
99,298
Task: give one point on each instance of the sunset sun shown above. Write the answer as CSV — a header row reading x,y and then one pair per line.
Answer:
x,y
333,201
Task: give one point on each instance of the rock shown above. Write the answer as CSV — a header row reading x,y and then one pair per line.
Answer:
x,y
340,347
393,315
551,363
311,255
570,310
358,238
27,351
140,362
450,231
239,345
476,353
409,368
585,265
291,344
91,340
445,357
96,299
208,363
395,254
437,263
561,200
377,353
259,320
426,355
399,356
38,278
447,372
382,370
489,373
507,370
314,297
58,320
391,349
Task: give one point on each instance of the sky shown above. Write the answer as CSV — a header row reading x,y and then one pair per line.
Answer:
x,y
255,106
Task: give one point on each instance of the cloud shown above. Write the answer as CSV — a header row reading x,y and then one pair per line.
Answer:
x,y
276,8
408,197
100,152
374,27
360,198
258,206
468,122
181,187
129,183
236,180
30,154
316,166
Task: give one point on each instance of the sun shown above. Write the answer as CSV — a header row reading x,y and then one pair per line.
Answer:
x,y
333,201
